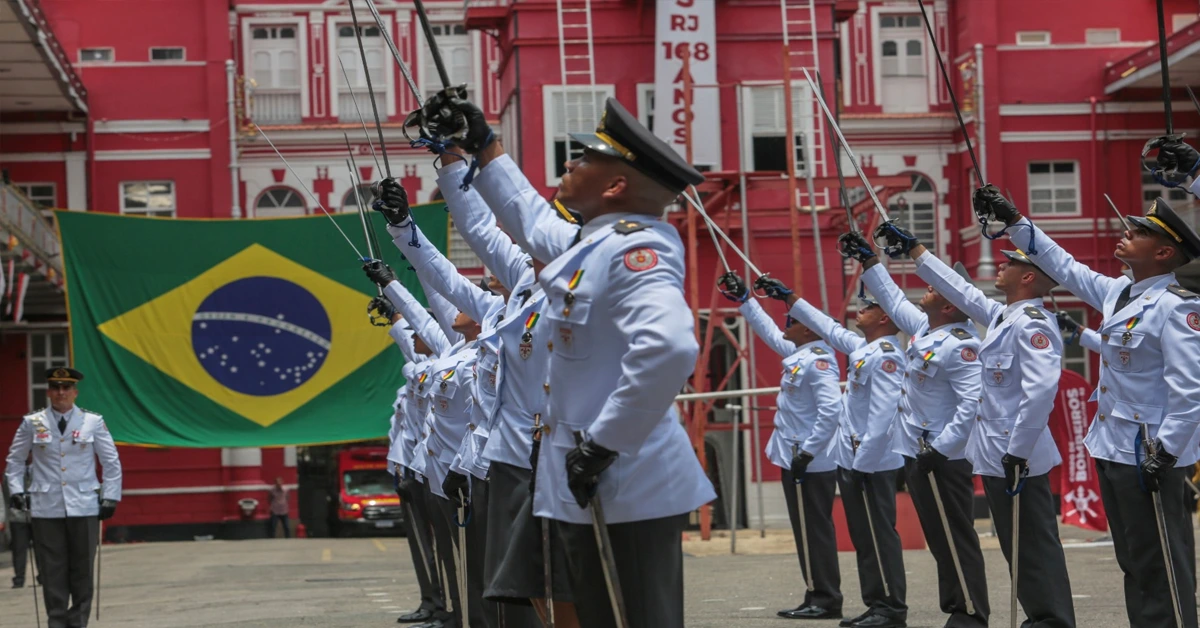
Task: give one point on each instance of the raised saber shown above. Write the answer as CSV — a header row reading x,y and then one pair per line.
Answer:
x,y
361,117
1162,61
368,226
937,498
887,591
803,527
1161,518
436,54
362,53
387,38
1124,221
608,562
950,88
845,145
1016,547
837,163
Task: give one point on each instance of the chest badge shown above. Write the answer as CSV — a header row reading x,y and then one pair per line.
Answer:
x,y
998,377
526,346
1124,357
795,369
858,366
925,359
920,378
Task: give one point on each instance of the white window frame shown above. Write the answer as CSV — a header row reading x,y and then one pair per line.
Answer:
x,y
1091,34
802,123
1079,314
645,103
47,361
1043,41
549,117
300,23
430,83
181,49
298,193
876,51
935,229
24,186
112,55
138,211
1077,186
333,23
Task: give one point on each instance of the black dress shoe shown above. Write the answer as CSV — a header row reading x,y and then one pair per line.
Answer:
x,y
846,623
812,612
416,616
435,623
784,612
879,621
18,584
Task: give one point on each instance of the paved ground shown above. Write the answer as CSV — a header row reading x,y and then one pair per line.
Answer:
x,y
368,582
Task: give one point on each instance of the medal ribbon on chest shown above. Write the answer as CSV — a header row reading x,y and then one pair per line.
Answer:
x,y
575,279
1129,325
795,369
927,357
526,346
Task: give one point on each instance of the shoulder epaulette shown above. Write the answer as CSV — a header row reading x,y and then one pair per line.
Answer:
x,y
626,227
819,351
887,346
1179,290
961,333
1035,313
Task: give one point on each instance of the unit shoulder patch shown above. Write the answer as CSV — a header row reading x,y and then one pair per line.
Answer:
x,y
1039,341
1193,321
961,333
889,366
638,260
822,365
887,346
1035,313
626,227
1180,291
968,354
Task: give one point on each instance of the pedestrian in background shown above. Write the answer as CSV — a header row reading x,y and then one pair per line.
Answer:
x,y
279,509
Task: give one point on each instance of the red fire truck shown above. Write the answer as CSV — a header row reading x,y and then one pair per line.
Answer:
x,y
366,495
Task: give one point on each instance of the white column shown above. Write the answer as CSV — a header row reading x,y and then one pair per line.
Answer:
x,y
987,265
241,457
76,165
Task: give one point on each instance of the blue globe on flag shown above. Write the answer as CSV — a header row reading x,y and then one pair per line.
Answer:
x,y
261,336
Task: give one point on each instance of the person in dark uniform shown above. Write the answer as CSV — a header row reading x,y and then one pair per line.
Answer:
x,y
17,523
65,499
619,353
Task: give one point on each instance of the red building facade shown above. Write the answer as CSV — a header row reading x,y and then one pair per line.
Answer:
x,y
1057,105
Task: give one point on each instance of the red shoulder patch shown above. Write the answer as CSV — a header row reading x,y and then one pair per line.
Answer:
x,y
1193,321
638,260
822,365
1039,341
969,355
889,366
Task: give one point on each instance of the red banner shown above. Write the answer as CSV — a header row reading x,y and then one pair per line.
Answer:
x,y
1079,486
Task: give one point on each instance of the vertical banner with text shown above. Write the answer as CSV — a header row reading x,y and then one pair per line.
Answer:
x,y
1079,486
687,27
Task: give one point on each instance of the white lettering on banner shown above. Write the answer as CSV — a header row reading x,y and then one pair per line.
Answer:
x,y
687,28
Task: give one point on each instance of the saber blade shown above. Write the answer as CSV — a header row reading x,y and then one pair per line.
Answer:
x,y
362,53
1016,549
387,38
436,54
1166,74
1161,519
608,562
958,570
950,89
1124,221
875,540
808,579
361,118
713,226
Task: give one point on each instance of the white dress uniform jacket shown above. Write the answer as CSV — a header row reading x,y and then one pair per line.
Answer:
x,y
1148,371
450,380
810,398
1090,339
63,481
1022,361
870,421
940,397
620,353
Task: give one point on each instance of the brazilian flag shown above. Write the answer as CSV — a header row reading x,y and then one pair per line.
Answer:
x,y
232,333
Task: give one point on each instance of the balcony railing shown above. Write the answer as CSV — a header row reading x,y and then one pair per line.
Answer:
x,y
21,218
347,112
275,106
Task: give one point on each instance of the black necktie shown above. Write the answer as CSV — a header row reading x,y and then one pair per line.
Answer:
x,y
578,237
1123,299
1000,319
62,424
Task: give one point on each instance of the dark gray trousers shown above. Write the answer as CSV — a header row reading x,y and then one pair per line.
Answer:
x,y
880,491
1043,587
445,542
20,549
417,530
957,490
819,489
649,557
66,551
487,612
1134,528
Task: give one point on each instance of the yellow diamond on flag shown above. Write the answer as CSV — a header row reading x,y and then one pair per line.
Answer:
x,y
258,334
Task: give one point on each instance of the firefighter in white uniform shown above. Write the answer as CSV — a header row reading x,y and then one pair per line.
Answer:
x,y
65,499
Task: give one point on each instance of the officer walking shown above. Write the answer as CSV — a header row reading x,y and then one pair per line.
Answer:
x,y
65,499
619,355
809,409
867,465
1149,390
1012,447
939,400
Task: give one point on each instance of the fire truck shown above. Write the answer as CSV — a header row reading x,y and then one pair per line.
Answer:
x,y
366,500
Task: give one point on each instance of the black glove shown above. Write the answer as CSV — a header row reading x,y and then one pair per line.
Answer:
x,y
19,502
379,273
1011,474
1156,465
800,463
1066,324
408,482
1176,156
854,246
733,287
108,508
990,204
453,484
773,287
392,201
896,240
930,460
383,307
453,116
584,465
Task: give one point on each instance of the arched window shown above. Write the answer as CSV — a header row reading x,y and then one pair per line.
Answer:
x,y
280,201
916,210
350,204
